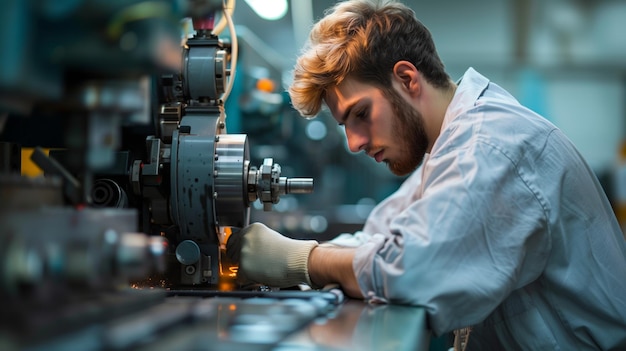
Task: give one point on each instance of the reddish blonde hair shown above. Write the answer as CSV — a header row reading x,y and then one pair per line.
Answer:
x,y
362,39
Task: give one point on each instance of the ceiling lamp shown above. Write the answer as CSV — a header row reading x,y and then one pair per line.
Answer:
x,y
269,9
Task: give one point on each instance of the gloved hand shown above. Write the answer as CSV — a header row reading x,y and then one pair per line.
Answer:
x,y
267,257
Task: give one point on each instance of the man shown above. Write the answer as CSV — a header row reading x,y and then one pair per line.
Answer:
x,y
501,227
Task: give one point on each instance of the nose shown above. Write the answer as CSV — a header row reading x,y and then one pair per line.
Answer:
x,y
357,140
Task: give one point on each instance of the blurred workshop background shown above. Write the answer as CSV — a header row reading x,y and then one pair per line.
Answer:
x,y
565,59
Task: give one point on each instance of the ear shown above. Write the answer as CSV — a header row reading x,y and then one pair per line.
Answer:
x,y
405,73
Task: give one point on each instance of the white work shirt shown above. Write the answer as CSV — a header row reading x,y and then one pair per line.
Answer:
x,y
504,228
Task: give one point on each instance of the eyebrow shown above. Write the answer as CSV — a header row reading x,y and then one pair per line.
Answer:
x,y
346,114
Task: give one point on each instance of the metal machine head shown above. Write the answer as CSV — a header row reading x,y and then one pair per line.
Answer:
x,y
142,130
141,179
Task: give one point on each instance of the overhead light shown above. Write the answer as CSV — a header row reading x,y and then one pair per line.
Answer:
x,y
269,9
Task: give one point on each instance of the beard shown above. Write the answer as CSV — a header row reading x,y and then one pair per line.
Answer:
x,y
410,133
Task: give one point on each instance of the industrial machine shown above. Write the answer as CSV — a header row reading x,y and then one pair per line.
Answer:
x,y
122,105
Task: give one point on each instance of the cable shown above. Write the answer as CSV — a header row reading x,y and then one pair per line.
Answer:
x,y
229,8
234,50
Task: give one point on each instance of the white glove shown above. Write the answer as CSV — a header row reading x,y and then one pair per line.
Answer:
x,y
265,256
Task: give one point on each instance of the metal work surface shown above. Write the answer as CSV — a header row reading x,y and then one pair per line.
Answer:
x,y
356,325
251,321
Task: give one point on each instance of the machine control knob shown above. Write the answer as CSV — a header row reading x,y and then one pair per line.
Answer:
x,y
188,252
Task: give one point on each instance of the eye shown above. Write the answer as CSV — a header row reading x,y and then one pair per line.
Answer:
x,y
361,114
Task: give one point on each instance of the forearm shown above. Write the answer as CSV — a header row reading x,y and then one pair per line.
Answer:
x,y
328,265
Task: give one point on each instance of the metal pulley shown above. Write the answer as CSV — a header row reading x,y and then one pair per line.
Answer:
x,y
238,184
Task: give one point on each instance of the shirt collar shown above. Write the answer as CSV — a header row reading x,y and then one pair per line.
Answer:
x,y
469,88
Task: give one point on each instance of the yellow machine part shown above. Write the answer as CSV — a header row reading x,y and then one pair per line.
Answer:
x,y
29,168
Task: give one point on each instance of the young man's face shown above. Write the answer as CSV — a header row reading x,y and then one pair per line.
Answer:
x,y
381,123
